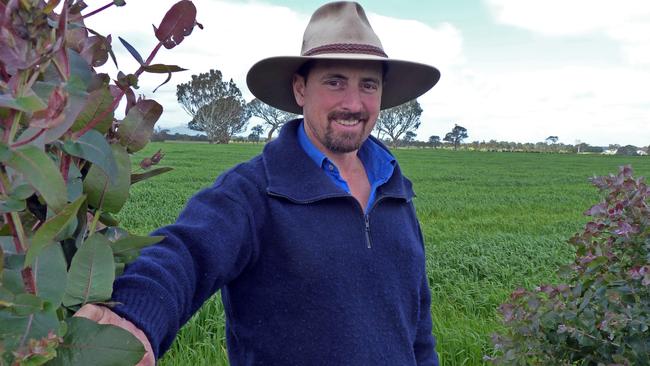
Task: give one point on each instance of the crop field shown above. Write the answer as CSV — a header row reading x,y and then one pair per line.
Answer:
x,y
492,222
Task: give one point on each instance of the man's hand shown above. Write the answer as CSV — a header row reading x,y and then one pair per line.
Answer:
x,y
104,315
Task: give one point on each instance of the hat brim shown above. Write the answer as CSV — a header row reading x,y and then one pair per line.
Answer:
x,y
270,79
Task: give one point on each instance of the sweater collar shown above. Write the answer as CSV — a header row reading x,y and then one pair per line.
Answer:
x,y
292,173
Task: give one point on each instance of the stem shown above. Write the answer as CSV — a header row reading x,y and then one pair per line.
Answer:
x,y
14,127
98,10
149,59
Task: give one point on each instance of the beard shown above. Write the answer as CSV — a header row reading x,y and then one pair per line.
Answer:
x,y
348,141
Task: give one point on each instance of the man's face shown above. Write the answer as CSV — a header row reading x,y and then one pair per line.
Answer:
x,y
341,102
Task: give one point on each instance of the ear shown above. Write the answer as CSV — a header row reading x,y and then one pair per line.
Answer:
x,y
299,89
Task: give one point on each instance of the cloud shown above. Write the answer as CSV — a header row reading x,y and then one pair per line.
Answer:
x,y
238,34
596,105
625,21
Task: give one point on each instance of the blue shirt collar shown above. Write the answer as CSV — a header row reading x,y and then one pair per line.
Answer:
x,y
377,161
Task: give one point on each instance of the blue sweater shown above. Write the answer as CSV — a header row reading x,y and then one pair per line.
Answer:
x,y
306,277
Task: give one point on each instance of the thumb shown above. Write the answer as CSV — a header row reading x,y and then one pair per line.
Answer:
x,y
92,312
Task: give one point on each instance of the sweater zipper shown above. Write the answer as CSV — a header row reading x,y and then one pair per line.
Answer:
x,y
367,221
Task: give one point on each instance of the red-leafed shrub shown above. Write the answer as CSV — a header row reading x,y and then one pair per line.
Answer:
x,y
601,314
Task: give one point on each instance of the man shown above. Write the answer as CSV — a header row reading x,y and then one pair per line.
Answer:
x,y
314,243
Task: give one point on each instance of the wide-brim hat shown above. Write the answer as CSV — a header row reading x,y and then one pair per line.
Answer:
x,y
339,31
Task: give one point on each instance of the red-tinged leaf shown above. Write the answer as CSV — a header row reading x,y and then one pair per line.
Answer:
x,y
76,36
163,69
54,114
136,128
177,24
95,50
132,51
39,170
92,272
14,52
97,106
76,101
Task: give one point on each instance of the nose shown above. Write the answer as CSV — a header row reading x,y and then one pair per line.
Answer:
x,y
352,100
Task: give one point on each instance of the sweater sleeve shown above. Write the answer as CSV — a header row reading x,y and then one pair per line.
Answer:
x,y
424,346
210,244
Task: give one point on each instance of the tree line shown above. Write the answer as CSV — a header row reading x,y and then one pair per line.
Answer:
x,y
218,108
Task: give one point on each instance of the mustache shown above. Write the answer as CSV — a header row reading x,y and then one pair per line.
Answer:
x,y
348,115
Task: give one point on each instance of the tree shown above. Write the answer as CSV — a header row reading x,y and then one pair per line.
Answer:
x,y
399,120
434,141
255,134
273,117
409,137
551,139
627,150
456,136
217,107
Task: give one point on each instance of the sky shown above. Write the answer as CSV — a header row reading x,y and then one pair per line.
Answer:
x,y
511,70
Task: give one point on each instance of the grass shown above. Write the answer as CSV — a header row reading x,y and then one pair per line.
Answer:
x,y
492,222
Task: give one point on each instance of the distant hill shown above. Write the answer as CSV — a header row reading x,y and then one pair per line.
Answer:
x,y
183,130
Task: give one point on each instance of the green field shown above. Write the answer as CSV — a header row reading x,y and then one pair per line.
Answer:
x,y
492,222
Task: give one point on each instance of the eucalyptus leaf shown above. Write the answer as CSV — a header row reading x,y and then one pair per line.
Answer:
x,y
90,343
16,330
97,105
47,232
129,247
93,147
12,205
28,103
50,273
91,274
75,184
132,51
25,304
135,178
22,191
101,192
39,170
136,128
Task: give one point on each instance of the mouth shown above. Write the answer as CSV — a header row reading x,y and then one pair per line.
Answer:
x,y
347,122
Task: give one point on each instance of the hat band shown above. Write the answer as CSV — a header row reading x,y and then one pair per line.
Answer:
x,y
346,48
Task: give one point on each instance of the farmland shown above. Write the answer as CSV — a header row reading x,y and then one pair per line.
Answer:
x,y
492,222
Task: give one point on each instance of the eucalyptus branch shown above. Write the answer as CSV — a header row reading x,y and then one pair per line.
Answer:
x,y
95,121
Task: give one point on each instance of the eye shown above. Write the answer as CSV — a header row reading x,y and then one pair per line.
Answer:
x,y
369,86
334,83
